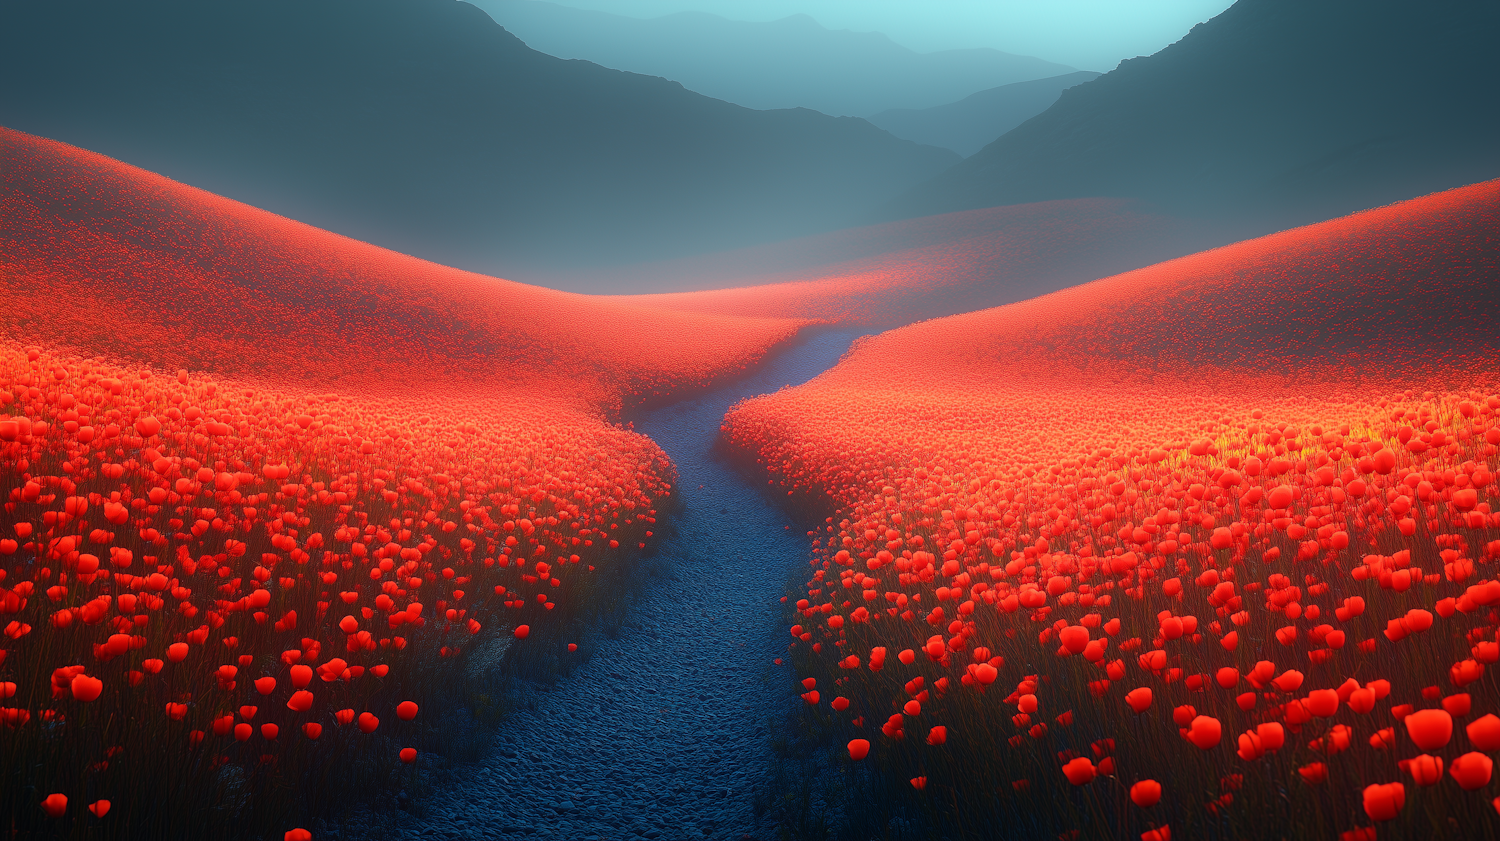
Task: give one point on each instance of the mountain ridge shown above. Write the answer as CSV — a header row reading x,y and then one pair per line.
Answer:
x,y
1273,112
970,124
423,126
789,62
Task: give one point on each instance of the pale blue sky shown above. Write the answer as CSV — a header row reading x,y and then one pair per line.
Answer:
x,y
1087,34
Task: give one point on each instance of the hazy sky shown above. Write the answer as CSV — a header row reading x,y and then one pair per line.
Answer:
x,y
1088,34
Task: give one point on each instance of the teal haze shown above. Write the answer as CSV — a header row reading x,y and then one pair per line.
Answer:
x,y
1086,34
794,62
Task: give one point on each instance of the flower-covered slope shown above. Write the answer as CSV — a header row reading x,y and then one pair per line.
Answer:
x,y
259,480
1208,531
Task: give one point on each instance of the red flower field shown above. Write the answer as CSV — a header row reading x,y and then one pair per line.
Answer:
x,y
1192,549
260,479
1182,550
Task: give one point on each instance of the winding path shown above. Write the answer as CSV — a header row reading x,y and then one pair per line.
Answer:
x,y
661,734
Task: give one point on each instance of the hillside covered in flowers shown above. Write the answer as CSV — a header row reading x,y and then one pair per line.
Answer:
x,y
1183,549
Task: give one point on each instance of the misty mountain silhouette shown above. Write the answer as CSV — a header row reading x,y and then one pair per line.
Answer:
x,y
787,63
423,126
1274,113
975,121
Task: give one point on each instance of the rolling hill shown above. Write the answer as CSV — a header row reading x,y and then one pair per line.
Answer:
x,y
1275,113
422,126
789,63
284,397
1181,515
102,258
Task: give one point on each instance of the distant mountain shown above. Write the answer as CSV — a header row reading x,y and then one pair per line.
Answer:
x,y
901,272
1275,113
423,126
788,63
935,265
972,123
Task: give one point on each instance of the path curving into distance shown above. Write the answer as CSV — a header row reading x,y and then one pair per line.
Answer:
x,y
661,734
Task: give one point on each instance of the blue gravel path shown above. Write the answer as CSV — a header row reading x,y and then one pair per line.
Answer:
x,y
661,734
